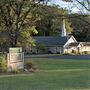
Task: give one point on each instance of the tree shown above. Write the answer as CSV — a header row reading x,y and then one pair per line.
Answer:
x,y
68,25
85,4
81,27
17,22
50,22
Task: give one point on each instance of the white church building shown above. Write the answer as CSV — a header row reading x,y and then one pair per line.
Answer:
x,y
59,44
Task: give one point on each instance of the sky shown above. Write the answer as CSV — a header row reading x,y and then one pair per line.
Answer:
x,y
74,6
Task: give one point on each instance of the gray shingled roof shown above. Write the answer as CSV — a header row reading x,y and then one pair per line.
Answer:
x,y
51,40
74,44
86,43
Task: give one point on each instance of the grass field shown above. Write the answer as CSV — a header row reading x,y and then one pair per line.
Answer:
x,y
52,74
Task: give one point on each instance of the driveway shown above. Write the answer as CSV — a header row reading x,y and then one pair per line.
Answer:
x,y
81,57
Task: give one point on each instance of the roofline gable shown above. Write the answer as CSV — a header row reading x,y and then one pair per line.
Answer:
x,y
74,38
68,40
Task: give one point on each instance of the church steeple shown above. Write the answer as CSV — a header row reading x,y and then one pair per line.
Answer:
x,y
63,32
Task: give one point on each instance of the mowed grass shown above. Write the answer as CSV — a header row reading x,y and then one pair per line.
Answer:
x,y
52,74
54,64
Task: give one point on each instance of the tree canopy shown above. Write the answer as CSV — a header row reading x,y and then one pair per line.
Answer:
x,y
16,24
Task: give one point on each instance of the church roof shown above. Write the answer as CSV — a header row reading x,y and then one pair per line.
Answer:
x,y
86,43
74,44
51,40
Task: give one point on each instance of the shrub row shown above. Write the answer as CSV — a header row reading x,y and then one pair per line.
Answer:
x,y
3,64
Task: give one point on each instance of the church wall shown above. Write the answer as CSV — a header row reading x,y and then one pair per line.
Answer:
x,y
86,48
82,50
56,49
50,49
59,49
70,49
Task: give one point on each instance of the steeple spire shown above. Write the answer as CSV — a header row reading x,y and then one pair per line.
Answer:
x,y
63,33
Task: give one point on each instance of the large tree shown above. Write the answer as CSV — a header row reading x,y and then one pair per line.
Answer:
x,y
16,22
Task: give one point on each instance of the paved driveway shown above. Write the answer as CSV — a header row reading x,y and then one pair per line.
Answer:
x,y
81,57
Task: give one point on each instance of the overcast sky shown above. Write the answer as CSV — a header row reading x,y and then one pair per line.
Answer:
x,y
76,7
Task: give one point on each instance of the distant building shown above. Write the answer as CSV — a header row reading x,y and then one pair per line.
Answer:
x,y
59,44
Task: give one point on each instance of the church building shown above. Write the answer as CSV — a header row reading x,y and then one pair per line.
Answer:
x,y
59,44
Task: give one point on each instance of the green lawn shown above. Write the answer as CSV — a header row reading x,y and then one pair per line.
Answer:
x,y
53,74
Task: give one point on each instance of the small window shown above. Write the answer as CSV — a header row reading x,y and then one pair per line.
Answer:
x,y
31,50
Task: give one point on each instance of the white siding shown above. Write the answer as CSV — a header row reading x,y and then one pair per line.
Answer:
x,y
69,50
86,48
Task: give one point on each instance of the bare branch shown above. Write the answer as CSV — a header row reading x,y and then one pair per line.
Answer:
x,y
84,5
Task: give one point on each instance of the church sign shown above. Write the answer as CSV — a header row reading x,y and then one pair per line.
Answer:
x,y
15,50
15,59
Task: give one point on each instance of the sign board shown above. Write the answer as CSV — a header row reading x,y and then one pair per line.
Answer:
x,y
15,50
15,59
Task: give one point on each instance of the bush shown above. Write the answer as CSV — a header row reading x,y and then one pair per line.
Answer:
x,y
67,54
33,52
58,53
85,52
30,66
3,64
73,51
49,52
15,71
